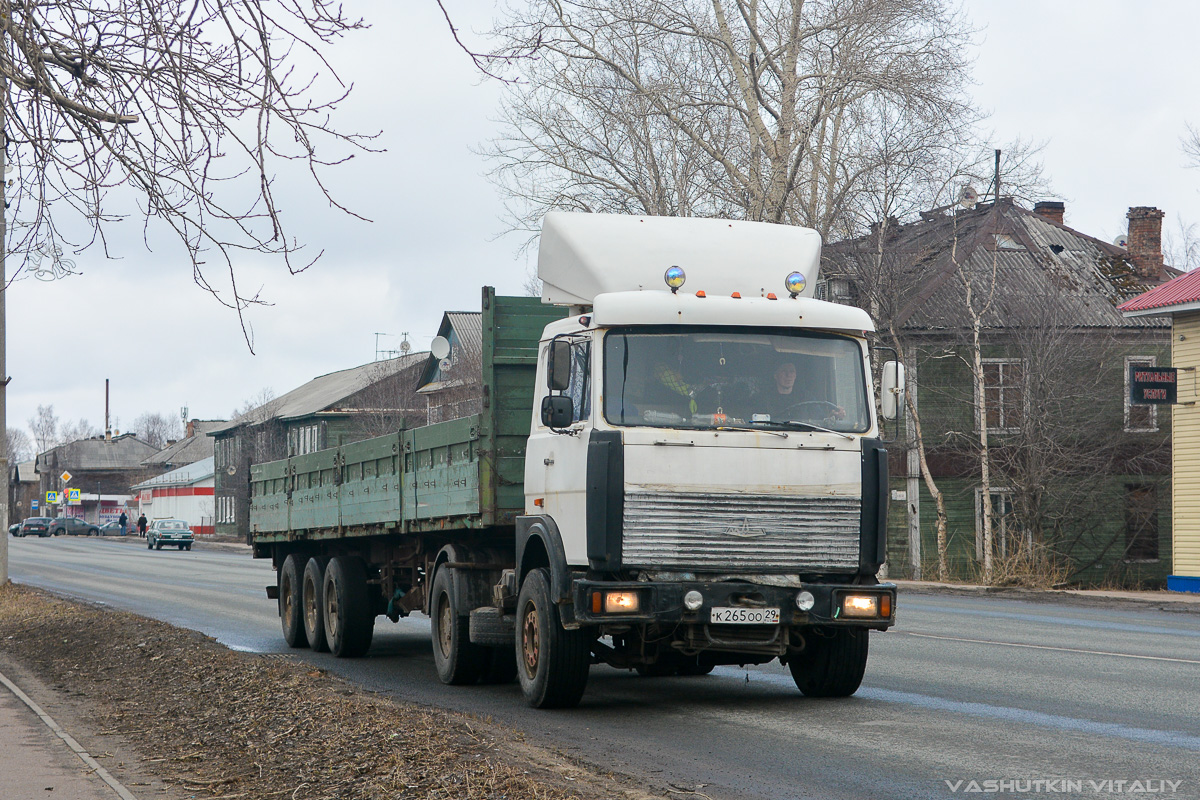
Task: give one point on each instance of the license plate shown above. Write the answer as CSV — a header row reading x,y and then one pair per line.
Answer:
x,y
745,616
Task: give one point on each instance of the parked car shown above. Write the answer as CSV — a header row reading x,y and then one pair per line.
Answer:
x,y
73,526
169,532
35,526
110,529
15,529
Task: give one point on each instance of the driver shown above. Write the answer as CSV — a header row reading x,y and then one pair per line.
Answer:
x,y
784,401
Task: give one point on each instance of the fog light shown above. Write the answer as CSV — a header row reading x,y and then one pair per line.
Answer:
x,y
860,605
805,600
693,600
620,602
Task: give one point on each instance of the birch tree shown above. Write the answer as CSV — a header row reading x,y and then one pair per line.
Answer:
x,y
788,111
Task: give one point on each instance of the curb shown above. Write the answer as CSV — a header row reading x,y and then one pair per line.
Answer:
x,y
84,756
1165,601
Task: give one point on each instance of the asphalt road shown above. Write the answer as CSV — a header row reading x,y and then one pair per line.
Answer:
x,y
1058,698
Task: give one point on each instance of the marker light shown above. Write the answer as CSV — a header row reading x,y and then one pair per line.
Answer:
x,y
771,296
736,295
805,600
701,293
620,602
693,600
675,278
860,605
795,283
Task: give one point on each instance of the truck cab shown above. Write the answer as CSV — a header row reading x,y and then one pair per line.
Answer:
x,y
705,482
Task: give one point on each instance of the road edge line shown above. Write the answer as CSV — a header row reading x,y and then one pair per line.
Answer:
x,y
84,756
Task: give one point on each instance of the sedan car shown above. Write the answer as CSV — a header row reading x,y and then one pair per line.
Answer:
x,y
15,529
73,526
170,532
35,526
111,529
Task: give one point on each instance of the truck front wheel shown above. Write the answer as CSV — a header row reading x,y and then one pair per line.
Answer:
x,y
552,663
832,662
290,606
458,661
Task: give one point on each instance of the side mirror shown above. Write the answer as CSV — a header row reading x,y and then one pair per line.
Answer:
x,y
558,366
558,411
891,389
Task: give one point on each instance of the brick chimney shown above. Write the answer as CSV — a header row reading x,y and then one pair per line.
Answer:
x,y
1051,210
1145,241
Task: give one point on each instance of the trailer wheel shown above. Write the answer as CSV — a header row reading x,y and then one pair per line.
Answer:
x,y
831,664
313,604
552,662
458,662
349,622
289,601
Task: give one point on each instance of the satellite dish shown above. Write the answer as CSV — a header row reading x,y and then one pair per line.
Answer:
x,y
440,347
968,197
444,365
1122,241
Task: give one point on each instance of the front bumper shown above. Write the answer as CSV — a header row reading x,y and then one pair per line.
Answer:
x,y
661,602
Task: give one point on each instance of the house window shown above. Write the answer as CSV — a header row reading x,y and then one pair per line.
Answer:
x,y
1007,537
1003,398
305,439
1007,242
1141,522
1139,418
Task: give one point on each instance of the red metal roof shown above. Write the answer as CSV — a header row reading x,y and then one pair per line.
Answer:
x,y
1177,291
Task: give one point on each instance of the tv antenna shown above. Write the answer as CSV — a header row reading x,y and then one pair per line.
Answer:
x,y
380,355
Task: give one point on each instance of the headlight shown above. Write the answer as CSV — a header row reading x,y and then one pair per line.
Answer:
x,y
693,600
620,602
805,600
860,605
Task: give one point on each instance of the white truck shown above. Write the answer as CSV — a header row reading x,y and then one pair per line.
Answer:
x,y
701,481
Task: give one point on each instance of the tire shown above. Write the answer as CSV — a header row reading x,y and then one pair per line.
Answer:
x,y
832,663
93,531
692,667
149,545
290,614
349,622
187,547
158,545
458,662
552,663
312,604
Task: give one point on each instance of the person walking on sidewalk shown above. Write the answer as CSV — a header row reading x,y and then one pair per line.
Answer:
x,y
142,526
123,521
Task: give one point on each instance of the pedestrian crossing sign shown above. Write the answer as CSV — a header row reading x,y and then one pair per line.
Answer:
x,y
73,496
51,498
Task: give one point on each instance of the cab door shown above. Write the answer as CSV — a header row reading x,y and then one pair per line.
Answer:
x,y
556,459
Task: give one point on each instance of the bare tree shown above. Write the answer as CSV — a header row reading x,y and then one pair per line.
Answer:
x,y
776,110
186,109
74,431
44,428
157,429
1181,246
1191,145
20,446
258,408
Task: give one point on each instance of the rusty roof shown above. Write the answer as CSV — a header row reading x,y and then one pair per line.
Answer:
x,y
1021,266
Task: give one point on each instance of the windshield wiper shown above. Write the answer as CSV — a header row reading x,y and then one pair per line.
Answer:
x,y
754,428
796,425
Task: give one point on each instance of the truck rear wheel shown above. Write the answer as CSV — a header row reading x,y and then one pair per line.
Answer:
x,y
831,664
313,603
458,662
290,613
552,662
349,623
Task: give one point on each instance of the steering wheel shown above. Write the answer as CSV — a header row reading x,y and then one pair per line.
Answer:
x,y
833,407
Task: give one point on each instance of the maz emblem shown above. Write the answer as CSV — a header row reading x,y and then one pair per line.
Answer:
x,y
744,531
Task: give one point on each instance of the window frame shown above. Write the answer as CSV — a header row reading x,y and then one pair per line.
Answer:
x,y
1000,534
1149,361
980,402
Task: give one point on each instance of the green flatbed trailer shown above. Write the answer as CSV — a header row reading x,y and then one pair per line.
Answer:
x,y
394,502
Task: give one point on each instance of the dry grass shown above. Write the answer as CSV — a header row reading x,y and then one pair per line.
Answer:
x,y
218,724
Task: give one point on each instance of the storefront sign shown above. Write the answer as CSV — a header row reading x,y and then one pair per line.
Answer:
x,y
1152,385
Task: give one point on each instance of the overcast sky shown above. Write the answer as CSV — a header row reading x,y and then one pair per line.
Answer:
x,y
1107,85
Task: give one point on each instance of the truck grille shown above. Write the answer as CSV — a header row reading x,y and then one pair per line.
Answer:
x,y
695,531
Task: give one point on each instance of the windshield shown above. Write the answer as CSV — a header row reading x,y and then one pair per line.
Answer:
x,y
719,378
171,525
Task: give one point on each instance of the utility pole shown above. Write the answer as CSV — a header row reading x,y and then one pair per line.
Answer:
x,y
3,340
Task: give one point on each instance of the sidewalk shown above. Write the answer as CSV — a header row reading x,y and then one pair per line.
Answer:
x,y
35,762
1173,601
